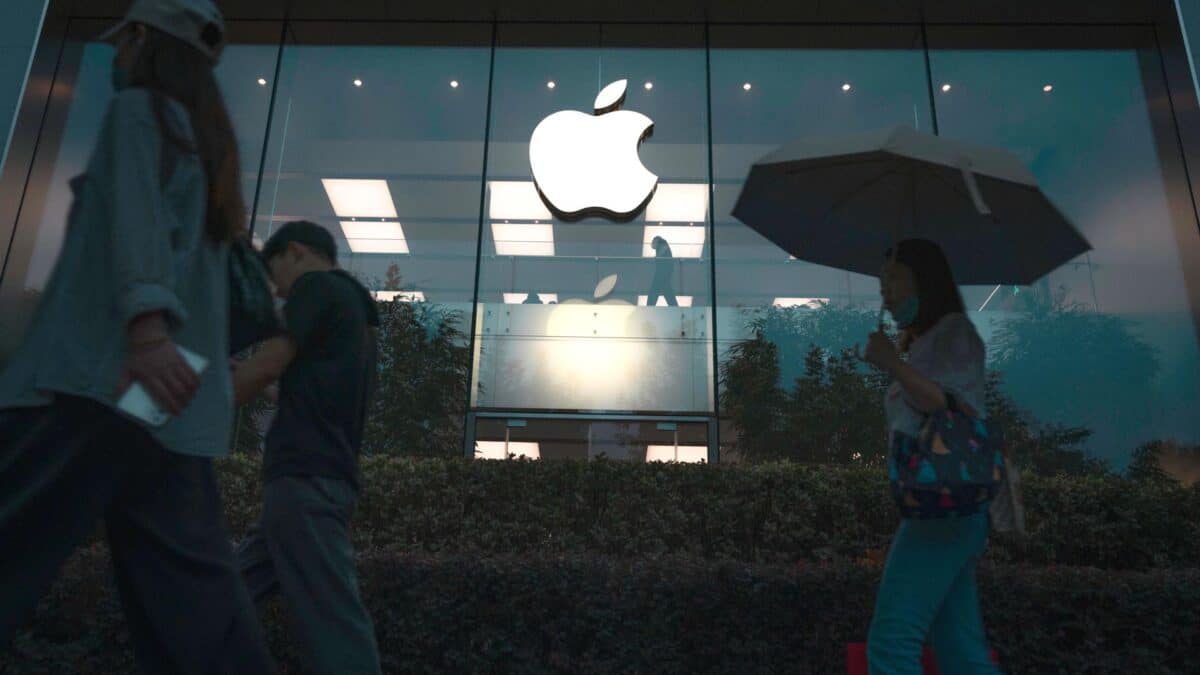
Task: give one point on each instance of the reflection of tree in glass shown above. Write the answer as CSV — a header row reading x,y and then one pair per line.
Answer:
x,y
833,410
424,373
1071,365
1162,461
1047,449
420,401
795,389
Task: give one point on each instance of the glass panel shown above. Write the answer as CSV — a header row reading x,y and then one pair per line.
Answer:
x,y
1107,343
772,85
378,135
628,440
82,91
564,315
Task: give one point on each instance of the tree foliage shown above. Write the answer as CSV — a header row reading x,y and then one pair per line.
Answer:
x,y
832,410
1079,367
419,406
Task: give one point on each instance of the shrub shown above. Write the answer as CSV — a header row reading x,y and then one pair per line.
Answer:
x,y
586,614
772,513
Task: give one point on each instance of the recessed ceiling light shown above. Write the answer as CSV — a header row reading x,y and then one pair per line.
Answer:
x,y
846,87
1048,88
358,82
454,84
262,82
746,87
551,85
946,87
649,86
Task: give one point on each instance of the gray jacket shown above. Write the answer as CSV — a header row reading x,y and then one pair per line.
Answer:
x,y
133,245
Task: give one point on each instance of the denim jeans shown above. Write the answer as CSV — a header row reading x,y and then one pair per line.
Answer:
x,y
929,592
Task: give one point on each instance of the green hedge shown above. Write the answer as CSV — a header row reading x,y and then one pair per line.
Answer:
x,y
776,513
590,614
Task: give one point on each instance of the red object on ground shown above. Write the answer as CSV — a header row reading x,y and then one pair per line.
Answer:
x,y
856,660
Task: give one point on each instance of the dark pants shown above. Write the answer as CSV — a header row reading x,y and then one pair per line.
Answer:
x,y
302,547
65,466
661,288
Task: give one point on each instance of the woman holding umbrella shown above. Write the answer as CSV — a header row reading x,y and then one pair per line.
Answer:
x,y
928,588
836,203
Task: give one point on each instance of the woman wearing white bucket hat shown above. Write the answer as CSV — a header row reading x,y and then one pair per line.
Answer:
x,y
143,272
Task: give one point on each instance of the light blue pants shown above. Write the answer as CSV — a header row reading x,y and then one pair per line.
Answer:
x,y
929,593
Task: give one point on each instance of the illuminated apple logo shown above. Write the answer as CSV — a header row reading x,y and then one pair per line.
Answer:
x,y
588,164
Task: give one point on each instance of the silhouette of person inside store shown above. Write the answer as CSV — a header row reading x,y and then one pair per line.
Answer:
x,y
664,265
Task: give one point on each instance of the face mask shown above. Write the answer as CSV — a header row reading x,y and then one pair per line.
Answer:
x,y
120,78
906,314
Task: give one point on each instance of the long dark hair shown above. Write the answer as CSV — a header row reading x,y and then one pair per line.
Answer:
x,y
170,68
936,290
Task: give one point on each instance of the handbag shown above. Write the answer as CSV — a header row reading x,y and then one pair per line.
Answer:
x,y
252,317
953,467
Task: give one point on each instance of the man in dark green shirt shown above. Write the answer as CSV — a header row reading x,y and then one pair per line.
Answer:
x,y
325,364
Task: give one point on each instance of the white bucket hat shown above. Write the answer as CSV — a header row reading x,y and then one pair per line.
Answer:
x,y
196,22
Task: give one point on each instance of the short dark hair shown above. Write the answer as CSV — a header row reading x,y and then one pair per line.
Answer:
x,y
938,293
303,232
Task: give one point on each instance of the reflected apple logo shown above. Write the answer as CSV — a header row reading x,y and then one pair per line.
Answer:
x,y
588,164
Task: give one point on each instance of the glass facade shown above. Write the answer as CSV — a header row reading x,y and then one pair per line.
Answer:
x,y
513,328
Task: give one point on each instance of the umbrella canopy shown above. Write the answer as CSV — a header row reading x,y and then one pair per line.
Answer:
x,y
842,202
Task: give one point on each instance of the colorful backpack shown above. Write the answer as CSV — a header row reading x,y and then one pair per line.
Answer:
x,y
953,468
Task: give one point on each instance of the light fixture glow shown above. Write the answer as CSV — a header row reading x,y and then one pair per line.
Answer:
x,y
520,298
946,87
516,200
262,82
678,203
525,239
355,198
380,246
551,84
692,454
369,237
846,87
358,82
507,450
808,303
1048,88
746,87
649,86
401,296
684,301
454,84
685,241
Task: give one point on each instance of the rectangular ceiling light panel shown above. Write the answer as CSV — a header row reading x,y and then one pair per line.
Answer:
x,y
516,200
359,198
684,301
523,238
402,296
379,237
678,203
693,454
502,450
808,303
